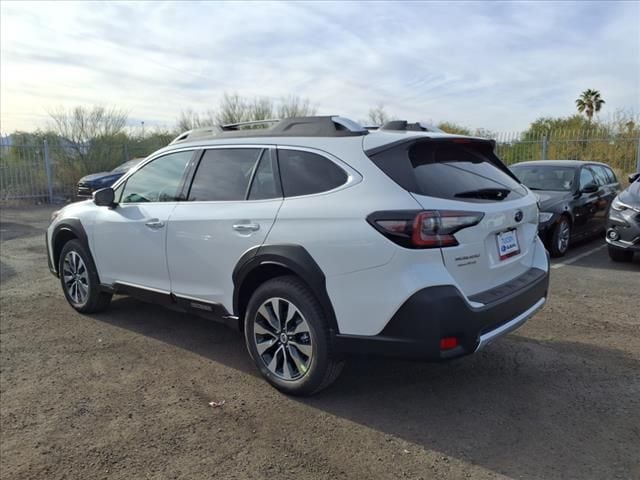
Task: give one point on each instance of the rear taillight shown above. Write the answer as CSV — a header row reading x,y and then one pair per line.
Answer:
x,y
423,229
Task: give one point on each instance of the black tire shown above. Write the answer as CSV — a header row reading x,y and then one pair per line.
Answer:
x,y
323,366
619,255
95,299
560,238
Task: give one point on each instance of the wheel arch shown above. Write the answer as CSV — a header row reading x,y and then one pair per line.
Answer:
x,y
263,263
69,229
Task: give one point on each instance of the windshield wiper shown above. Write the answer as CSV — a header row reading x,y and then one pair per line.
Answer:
x,y
485,193
534,188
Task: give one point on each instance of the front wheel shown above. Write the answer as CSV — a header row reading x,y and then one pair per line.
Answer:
x,y
288,337
618,255
560,238
79,279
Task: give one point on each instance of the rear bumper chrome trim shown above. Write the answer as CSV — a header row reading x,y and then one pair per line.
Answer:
x,y
511,325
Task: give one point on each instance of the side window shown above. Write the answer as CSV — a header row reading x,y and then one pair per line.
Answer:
x,y
264,185
304,173
586,177
610,175
600,174
158,181
224,174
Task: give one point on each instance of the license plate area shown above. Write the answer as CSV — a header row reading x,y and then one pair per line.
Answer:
x,y
508,245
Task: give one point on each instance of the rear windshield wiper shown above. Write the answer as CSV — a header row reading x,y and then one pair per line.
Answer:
x,y
485,193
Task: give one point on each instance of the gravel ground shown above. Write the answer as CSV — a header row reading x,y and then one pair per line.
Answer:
x,y
125,394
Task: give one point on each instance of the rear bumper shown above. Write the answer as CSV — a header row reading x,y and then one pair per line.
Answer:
x,y
436,312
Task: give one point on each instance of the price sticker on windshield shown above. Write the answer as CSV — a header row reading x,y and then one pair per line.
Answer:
x,y
508,244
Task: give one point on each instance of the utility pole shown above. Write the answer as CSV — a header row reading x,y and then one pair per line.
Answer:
x,y
142,122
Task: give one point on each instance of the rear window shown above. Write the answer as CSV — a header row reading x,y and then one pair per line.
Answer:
x,y
465,172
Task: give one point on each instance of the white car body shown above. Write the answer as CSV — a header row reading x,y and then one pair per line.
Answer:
x,y
189,250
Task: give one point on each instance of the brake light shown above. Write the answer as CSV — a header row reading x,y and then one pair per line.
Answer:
x,y
423,229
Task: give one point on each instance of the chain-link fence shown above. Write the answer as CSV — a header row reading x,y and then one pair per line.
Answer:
x,y
47,173
620,151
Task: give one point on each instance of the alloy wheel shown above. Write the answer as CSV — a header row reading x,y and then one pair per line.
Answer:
x,y
283,339
75,277
563,236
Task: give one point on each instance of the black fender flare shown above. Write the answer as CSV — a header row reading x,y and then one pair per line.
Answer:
x,y
74,226
292,257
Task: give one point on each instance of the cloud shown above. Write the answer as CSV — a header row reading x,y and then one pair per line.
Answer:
x,y
495,65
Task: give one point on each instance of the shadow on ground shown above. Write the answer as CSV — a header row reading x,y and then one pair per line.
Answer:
x,y
543,409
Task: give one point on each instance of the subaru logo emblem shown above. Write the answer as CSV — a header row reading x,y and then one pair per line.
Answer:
x,y
518,216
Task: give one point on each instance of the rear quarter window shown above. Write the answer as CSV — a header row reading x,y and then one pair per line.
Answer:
x,y
306,173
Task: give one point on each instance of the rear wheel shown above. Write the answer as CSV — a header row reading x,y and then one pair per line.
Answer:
x,y
618,255
288,337
79,279
560,238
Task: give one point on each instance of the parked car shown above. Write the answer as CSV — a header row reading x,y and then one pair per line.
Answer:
x,y
574,198
90,183
316,238
623,232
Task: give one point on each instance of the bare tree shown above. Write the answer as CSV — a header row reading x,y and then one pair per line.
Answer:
x,y
378,115
233,109
294,106
80,125
188,120
261,108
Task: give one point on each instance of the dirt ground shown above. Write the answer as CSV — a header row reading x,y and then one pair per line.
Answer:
x,y
125,394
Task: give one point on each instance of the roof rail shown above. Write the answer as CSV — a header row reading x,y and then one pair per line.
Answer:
x,y
325,126
234,126
404,126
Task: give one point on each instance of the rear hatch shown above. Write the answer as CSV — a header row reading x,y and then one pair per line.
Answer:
x,y
464,175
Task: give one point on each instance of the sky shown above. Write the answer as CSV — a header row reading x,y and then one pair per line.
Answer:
x,y
493,65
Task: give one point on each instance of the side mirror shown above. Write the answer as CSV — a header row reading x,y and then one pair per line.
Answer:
x,y
633,177
589,188
104,197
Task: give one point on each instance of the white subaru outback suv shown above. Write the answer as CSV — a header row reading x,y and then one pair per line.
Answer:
x,y
316,238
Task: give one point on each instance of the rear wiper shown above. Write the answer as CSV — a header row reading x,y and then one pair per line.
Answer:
x,y
486,193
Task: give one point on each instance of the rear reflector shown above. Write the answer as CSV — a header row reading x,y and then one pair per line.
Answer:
x,y
447,343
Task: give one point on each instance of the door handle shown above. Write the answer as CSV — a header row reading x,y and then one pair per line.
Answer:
x,y
154,224
246,227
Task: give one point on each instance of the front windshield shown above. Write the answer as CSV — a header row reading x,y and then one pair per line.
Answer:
x,y
126,166
545,177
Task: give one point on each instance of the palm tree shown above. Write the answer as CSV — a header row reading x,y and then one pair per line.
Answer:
x,y
589,103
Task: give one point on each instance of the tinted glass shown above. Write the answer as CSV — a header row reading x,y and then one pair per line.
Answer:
x,y
610,175
458,172
264,185
586,177
158,181
224,174
545,177
601,175
304,173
